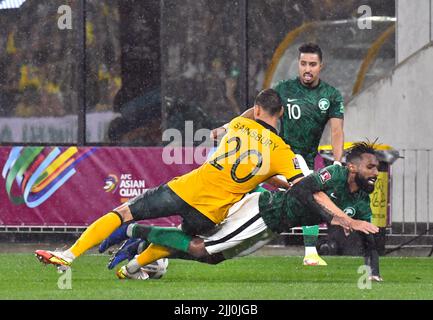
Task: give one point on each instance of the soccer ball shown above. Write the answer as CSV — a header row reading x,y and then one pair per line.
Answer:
x,y
156,269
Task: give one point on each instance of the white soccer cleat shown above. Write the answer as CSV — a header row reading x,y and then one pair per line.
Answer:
x,y
123,274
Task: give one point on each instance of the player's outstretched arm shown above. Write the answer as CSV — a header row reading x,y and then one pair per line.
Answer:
x,y
308,192
278,182
340,218
354,225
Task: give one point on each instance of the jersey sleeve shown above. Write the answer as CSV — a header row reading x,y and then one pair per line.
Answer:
x,y
336,109
288,165
327,177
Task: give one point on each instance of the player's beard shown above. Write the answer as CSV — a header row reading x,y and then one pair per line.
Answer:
x,y
363,183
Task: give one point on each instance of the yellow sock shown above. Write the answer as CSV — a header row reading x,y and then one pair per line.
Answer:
x,y
152,253
96,233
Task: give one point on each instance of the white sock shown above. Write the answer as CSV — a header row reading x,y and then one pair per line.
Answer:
x,y
133,266
310,250
129,230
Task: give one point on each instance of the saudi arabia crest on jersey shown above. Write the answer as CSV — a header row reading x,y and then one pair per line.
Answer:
x,y
324,104
350,211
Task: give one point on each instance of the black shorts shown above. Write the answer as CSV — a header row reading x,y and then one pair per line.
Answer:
x,y
163,202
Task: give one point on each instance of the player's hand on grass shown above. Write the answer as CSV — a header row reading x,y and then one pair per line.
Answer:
x,y
363,226
375,278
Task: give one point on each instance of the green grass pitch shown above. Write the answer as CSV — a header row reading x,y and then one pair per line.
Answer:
x,y
254,277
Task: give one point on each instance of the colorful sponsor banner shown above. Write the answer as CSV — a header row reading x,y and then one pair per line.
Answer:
x,y
73,186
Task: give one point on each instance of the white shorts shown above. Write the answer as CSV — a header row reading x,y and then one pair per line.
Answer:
x,y
243,231
243,223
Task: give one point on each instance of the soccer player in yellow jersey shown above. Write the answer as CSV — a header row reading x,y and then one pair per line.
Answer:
x,y
250,153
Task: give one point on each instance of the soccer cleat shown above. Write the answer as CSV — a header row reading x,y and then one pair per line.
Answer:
x,y
314,260
123,274
49,257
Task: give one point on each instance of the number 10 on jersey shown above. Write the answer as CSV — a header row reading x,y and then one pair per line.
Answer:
x,y
294,111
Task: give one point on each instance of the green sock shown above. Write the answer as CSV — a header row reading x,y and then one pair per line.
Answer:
x,y
166,237
259,188
311,234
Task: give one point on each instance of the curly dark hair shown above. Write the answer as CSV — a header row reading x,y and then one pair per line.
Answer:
x,y
359,148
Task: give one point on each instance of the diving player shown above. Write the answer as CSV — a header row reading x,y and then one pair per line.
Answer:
x,y
249,154
253,221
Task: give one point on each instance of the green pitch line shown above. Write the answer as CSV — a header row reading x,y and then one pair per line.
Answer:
x,y
23,277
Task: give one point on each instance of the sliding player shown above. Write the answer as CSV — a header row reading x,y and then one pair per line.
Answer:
x,y
250,153
252,221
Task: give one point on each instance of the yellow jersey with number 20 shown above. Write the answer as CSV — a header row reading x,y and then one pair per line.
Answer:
x,y
248,154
